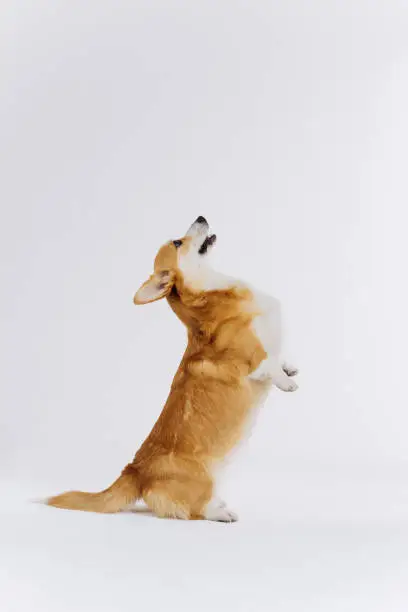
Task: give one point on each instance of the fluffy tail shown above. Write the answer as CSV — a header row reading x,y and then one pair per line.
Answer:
x,y
123,492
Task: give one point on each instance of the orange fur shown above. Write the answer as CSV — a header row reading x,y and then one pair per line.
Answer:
x,y
205,413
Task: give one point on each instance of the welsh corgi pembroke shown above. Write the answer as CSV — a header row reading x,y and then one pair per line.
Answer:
x,y
232,359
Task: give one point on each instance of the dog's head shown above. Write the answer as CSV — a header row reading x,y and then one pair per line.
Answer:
x,y
179,264
211,310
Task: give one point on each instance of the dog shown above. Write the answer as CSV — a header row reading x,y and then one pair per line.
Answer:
x,y
231,361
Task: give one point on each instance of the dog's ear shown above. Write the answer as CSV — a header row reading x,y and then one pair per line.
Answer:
x,y
156,287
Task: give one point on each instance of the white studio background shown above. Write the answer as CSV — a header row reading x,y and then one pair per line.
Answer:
x,y
284,123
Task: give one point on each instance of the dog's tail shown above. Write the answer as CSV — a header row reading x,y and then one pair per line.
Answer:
x,y
120,495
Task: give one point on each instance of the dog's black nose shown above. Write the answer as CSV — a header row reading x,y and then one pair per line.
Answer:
x,y
201,219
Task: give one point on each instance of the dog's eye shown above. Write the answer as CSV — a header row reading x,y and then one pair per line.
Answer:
x,y
177,243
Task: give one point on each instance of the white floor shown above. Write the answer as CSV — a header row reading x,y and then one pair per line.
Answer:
x,y
304,543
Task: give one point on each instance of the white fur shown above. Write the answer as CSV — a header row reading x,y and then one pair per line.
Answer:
x,y
268,327
218,511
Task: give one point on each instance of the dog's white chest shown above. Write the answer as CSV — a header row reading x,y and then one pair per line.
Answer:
x,y
267,325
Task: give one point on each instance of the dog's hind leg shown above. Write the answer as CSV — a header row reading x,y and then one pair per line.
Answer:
x,y
178,498
178,488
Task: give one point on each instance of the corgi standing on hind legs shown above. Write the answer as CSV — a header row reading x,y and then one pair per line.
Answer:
x,y
233,357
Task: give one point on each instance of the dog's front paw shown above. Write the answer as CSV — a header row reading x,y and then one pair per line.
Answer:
x,y
289,369
292,386
286,384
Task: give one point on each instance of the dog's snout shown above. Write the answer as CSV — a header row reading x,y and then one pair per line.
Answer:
x,y
201,219
200,227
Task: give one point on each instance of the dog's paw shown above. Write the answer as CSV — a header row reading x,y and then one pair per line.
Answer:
x,y
224,515
217,511
286,384
289,369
